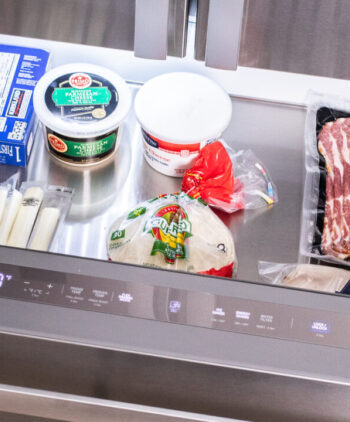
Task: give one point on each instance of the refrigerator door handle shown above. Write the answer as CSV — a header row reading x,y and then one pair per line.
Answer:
x,y
151,29
224,33
72,408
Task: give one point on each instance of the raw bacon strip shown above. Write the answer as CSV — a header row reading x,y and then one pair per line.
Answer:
x,y
325,148
338,171
334,145
345,129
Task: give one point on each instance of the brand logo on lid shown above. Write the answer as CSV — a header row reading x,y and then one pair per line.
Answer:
x,y
80,80
57,143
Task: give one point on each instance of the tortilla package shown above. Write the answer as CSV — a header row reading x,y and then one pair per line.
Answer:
x,y
174,232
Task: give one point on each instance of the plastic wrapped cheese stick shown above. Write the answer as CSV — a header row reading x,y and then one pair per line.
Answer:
x,y
12,206
3,198
45,229
6,188
26,217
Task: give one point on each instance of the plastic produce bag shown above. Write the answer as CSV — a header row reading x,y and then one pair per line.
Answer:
x,y
325,232
229,180
174,232
304,276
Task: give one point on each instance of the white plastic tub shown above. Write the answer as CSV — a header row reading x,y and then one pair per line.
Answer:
x,y
179,113
81,107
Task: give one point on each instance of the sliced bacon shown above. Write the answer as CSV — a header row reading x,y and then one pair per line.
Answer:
x,y
325,148
345,129
334,145
338,171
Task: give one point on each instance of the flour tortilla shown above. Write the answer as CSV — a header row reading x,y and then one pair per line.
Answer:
x,y
209,244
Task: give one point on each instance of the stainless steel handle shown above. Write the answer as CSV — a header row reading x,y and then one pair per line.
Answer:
x,y
224,33
151,29
177,27
71,408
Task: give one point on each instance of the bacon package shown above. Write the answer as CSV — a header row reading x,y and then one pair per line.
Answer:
x,y
325,230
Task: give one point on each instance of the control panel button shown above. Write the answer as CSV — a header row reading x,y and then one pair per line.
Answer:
x,y
74,294
174,306
219,312
125,297
99,298
243,315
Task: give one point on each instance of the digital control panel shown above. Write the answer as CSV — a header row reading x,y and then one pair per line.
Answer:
x,y
173,305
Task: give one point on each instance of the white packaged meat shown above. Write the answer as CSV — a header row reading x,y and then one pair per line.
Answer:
x,y
305,276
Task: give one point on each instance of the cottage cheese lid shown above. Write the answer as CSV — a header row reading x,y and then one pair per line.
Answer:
x,y
183,108
81,100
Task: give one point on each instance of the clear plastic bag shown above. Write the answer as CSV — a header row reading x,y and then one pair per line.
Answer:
x,y
32,215
229,180
258,188
6,188
53,211
304,276
325,230
174,232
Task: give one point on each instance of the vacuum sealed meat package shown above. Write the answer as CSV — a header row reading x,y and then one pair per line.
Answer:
x,y
174,232
305,276
325,230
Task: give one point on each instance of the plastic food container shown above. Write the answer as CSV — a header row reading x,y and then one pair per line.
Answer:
x,y
81,107
179,113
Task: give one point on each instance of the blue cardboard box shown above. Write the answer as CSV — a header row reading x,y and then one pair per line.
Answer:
x,y
20,70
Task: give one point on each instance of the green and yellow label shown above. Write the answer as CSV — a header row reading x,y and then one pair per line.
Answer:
x,y
136,213
170,227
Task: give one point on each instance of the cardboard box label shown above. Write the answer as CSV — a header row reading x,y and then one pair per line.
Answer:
x,y
20,70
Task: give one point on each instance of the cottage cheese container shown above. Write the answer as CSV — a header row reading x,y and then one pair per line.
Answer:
x,y
179,113
81,107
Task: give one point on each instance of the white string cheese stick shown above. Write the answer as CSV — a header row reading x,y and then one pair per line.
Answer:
x,y
26,217
13,204
45,229
3,198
